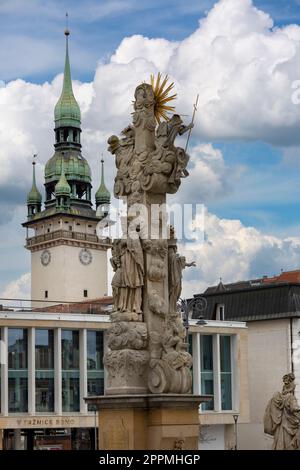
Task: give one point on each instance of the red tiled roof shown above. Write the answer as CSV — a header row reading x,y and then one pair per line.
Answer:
x,y
100,306
285,276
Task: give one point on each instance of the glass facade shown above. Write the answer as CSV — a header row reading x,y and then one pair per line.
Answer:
x,y
216,370
44,370
70,370
225,367
95,368
17,370
207,369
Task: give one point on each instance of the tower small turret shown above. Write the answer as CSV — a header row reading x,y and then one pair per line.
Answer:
x,y
102,195
34,198
62,191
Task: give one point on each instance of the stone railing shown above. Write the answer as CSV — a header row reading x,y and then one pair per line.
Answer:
x,y
66,234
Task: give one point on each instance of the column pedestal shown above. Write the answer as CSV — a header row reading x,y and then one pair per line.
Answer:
x,y
148,422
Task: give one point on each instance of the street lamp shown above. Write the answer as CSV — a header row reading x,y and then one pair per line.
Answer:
x,y
235,417
195,305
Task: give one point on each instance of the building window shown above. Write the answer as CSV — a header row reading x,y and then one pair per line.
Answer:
x,y
95,368
70,370
216,371
46,294
207,369
17,370
44,370
226,374
85,293
220,313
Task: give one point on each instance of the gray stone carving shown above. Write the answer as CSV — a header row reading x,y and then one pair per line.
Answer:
x,y
125,335
282,417
147,349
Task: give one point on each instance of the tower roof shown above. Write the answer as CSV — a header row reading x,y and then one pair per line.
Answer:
x,y
76,167
102,195
62,188
34,196
67,111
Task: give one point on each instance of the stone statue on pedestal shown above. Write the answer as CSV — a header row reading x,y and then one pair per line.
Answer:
x,y
282,417
147,347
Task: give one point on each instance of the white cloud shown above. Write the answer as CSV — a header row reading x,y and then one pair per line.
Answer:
x,y
241,66
18,289
236,252
210,178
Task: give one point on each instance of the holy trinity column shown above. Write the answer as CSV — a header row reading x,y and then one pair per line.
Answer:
x,y
147,345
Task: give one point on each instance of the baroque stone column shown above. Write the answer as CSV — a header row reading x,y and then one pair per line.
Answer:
x,y
147,349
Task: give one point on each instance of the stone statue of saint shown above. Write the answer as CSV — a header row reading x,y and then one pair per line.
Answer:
x,y
176,264
117,283
282,417
132,263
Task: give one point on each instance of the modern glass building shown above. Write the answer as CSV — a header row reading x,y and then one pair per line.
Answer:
x,y
51,361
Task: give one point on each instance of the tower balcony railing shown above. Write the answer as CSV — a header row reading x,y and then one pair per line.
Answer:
x,y
66,234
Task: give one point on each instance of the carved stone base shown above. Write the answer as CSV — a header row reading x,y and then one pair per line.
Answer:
x,y
148,422
126,371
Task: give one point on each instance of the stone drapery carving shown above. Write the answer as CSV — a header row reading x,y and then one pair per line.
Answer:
x,y
128,264
282,417
147,350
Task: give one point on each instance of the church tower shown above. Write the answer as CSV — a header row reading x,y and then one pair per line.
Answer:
x,y
68,260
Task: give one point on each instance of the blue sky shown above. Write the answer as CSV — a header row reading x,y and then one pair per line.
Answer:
x,y
98,26
266,193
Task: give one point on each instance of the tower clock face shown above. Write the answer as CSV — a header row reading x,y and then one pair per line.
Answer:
x,y
45,257
85,256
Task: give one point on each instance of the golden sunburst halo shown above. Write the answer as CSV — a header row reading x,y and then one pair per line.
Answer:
x,y
161,91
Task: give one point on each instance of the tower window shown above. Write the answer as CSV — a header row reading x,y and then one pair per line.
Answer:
x,y
46,294
70,228
85,293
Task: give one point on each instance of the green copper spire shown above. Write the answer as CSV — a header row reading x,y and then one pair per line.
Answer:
x,y
67,111
102,195
62,188
34,196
